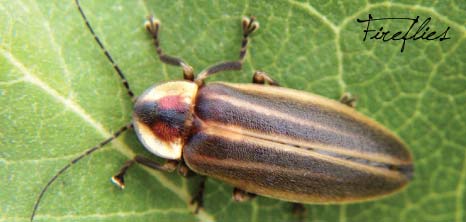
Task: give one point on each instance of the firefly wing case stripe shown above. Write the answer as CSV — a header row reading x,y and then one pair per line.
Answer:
x,y
268,141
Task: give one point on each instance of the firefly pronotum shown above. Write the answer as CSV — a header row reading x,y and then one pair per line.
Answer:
x,y
261,138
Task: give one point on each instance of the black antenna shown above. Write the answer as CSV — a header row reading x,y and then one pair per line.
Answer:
x,y
106,141
74,161
109,57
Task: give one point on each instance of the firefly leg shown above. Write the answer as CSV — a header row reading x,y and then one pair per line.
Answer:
x,y
168,166
299,210
262,78
249,26
241,195
348,100
198,199
184,170
152,26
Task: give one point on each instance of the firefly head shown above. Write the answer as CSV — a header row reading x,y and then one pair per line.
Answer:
x,y
162,117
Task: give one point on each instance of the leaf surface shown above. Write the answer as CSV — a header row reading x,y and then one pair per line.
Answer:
x,y
60,96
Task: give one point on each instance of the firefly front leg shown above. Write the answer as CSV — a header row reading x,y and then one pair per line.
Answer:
x,y
152,26
262,78
168,166
241,195
348,100
198,199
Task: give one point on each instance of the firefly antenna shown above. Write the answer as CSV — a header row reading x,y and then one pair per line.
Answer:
x,y
107,54
106,141
74,161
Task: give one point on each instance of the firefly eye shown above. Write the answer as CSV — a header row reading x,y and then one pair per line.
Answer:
x,y
146,112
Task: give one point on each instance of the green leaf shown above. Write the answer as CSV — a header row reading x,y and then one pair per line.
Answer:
x,y
60,96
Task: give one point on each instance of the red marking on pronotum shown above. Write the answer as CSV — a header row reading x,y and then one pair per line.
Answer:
x,y
165,132
172,103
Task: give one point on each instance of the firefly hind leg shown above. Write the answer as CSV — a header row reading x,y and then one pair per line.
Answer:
x,y
348,100
299,211
198,198
168,166
249,26
262,78
241,195
152,26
